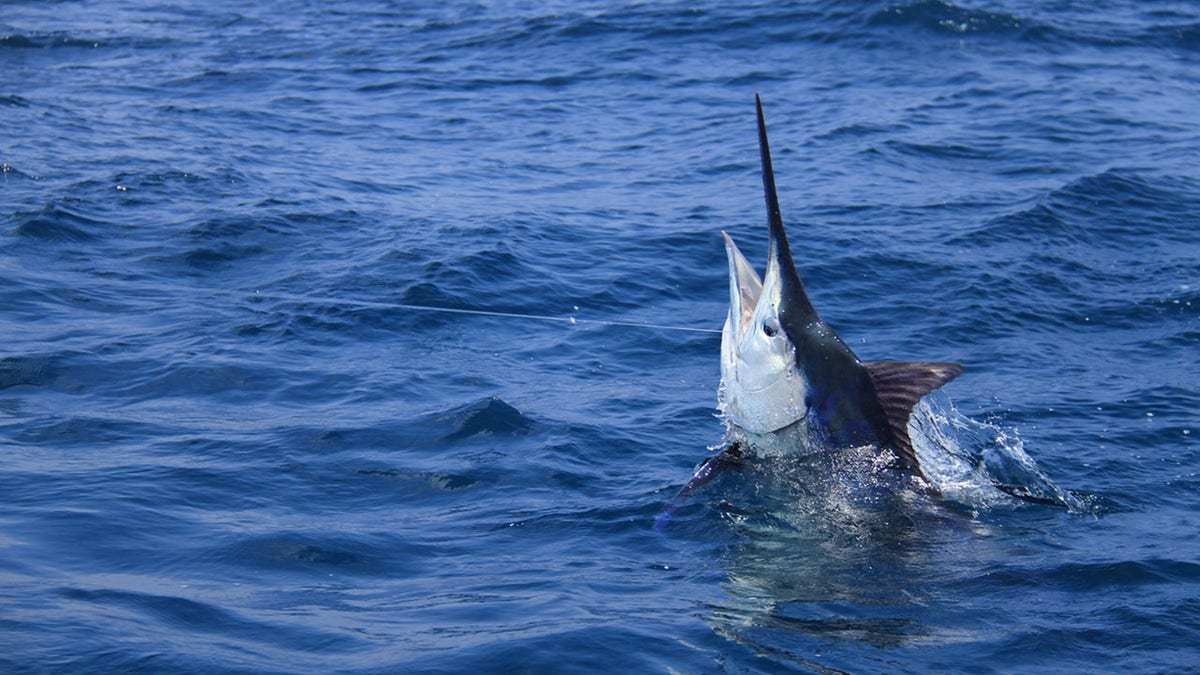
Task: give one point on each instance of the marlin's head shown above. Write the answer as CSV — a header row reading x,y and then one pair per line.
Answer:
x,y
764,386
780,363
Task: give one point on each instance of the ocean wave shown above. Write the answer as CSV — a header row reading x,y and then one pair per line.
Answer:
x,y
944,17
1108,209
46,40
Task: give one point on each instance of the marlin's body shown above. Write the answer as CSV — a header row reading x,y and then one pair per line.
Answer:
x,y
789,385
786,375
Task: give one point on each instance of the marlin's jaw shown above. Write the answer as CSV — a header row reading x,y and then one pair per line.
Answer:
x,y
762,387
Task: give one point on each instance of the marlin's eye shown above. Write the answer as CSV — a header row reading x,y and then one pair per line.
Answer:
x,y
769,329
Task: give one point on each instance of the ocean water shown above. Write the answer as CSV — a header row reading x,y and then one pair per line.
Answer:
x,y
234,436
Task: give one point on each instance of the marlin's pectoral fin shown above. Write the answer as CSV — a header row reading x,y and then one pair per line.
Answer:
x,y
899,385
727,460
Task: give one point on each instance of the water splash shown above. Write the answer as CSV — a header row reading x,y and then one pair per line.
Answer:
x,y
979,464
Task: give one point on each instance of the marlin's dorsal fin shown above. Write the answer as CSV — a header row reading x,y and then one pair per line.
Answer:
x,y
899,385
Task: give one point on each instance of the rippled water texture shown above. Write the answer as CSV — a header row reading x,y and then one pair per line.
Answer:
x,y
229,442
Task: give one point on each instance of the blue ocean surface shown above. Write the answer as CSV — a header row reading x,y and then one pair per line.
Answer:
x,y
238,434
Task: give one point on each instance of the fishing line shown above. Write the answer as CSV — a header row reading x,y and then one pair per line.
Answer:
x,y
477,312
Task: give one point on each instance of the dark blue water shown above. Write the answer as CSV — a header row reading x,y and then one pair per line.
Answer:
x,y
227,445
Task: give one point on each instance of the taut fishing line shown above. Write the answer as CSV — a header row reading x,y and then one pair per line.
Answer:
x,y
478,312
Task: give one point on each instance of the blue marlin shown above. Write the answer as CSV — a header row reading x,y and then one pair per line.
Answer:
x,y
789,384
784,371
